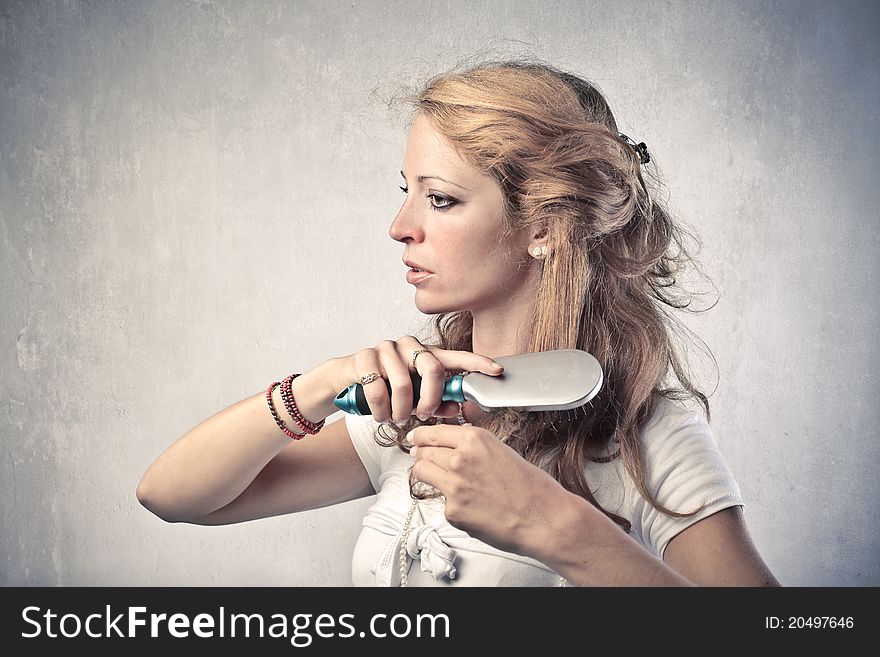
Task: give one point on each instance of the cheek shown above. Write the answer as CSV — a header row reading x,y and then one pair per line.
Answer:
x,y
475,256
466,257
489,272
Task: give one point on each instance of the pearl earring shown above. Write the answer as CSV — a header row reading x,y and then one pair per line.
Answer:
x,y
539,251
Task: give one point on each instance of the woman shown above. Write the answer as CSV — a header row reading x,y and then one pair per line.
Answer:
x,y
527,226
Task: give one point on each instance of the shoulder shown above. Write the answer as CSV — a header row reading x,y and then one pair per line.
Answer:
x,y
685,471
677,434
378,460
361,428
362,431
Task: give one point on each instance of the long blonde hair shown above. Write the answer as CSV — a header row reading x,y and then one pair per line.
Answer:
x,y
551,142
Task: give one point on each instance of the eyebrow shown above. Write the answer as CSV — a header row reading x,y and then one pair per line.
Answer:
x,y
423,178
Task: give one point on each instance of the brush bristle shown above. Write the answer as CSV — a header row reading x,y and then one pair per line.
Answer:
x,y
573,414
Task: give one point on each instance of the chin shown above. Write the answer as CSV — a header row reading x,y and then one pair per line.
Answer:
x,y
435,306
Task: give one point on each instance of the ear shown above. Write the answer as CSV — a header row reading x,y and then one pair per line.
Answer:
x,y
538,241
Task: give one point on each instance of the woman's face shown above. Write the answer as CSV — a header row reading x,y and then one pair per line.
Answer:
x,y
451,229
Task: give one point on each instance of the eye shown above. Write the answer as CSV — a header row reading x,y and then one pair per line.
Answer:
x,y
444,202
447,202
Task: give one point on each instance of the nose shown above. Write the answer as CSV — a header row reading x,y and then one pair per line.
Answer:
x,y
406,226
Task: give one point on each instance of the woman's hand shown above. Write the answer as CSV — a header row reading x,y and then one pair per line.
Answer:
x,y
393,361
492,493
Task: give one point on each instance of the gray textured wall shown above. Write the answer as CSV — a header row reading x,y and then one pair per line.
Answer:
x,y
195,196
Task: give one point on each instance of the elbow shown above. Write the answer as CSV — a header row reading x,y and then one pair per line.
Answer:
x,y
153,502
146,498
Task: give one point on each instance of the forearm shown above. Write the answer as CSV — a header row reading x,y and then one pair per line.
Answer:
x,y
588,549
210,465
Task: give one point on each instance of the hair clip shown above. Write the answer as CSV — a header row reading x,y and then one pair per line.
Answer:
x,y
641,148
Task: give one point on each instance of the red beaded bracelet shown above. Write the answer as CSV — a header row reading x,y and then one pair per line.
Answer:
x,y
293,409
278,420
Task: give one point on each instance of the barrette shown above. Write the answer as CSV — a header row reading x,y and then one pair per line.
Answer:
x,y
641,148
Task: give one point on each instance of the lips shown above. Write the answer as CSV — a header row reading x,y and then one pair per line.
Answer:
x,y
417,267
415,277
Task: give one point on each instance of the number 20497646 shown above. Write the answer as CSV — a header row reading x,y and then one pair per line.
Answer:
x,y
809,622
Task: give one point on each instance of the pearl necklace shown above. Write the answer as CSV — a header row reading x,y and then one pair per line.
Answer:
x,y
403,541
407,525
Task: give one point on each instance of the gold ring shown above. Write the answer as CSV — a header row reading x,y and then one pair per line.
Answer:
x,y
369,378
415,355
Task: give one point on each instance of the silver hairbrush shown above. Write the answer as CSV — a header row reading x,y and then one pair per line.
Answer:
x,y
560,380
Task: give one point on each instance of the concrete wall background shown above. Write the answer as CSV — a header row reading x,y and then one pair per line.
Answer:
x,y
194,198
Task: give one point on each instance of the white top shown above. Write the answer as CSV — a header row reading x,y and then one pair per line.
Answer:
x,y
684,468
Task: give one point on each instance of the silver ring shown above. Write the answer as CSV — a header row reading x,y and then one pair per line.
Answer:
x,y
369,378
415,355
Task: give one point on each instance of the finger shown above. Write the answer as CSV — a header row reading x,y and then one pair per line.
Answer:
x,y
432,474
430,370
438,435
376,394
439,456
466,361
447,409
398,377
462,360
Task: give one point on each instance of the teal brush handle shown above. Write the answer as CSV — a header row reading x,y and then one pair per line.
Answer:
x,y
352,399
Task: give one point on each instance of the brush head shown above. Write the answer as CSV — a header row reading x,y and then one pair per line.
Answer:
x,y
556,380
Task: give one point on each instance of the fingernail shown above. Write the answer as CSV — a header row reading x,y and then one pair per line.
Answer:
x,y
409,437
412,450
422,416
498,366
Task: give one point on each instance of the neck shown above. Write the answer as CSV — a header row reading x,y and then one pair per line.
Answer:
x,y
494,336
497,331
